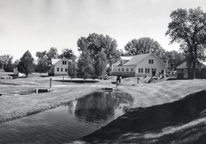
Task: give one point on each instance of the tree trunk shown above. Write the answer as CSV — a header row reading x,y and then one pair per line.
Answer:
x,y
194,68
194,62
26,74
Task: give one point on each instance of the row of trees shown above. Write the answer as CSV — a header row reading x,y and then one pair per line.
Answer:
x,y
99,52
27,64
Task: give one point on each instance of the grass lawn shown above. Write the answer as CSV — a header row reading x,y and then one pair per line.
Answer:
x,y
14,106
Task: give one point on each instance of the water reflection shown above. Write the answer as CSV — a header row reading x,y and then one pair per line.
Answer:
x,y
182,121
100,106
68,122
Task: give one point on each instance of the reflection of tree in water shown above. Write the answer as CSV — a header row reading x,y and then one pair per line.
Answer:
x,y
96,106
71,106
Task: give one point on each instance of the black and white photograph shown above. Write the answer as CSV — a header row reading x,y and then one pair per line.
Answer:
x,y
102,71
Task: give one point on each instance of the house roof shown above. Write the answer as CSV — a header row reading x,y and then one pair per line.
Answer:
x,y
54,61
138,58
133,60
126,57
202,62
123,58
182,66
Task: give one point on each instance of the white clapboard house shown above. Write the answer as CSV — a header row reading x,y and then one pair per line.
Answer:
x,y
59,67
139,65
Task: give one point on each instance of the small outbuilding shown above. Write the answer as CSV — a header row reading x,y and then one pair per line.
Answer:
x,y
184,72
17,73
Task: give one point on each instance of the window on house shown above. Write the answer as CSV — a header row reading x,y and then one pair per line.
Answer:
x,y
65,69
122,69
118,69
153,69
61,69
131,69
64,62
57,69
151,61
140,70
127,69
147,70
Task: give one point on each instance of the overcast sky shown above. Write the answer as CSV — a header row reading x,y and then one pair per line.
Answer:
x,y
38,25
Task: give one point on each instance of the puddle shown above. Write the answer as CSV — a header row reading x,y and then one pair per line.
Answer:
x,y
68,122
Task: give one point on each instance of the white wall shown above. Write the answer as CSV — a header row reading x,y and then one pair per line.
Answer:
x,y
61,66
115,68
157,64
123,70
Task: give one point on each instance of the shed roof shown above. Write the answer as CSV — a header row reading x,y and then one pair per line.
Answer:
x,y
182,66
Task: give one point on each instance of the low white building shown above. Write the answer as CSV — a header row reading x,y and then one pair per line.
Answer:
x,y
17,73
59,67
139,65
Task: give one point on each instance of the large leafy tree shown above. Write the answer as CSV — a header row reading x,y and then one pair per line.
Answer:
x,y
188,28
173,58
42,62
9,66
100,64
26,64
72,69
5,60
96,43
85,67
142,46
68,53
16,63
52,53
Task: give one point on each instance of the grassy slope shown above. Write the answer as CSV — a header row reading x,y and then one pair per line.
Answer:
x,y
144,94
126,128
12,106
167,91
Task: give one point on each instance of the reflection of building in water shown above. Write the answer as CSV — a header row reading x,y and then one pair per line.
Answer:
x,y
123,98
99,105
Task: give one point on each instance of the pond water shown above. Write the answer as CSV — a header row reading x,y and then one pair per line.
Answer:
x,y
68,122
178,122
